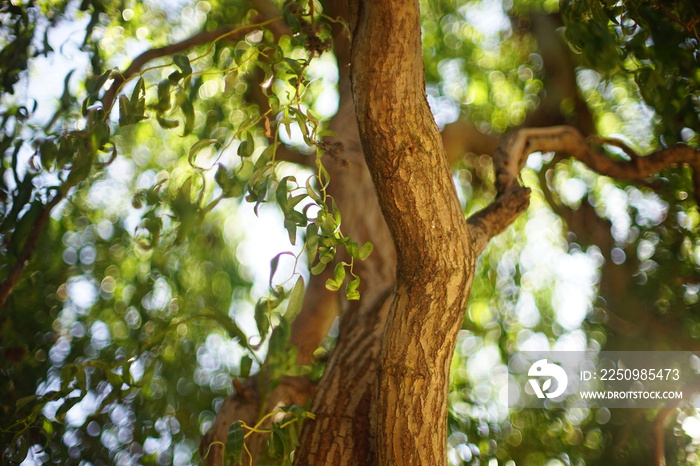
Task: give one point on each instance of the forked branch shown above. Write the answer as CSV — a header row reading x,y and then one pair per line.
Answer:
x,y
510,158
512,155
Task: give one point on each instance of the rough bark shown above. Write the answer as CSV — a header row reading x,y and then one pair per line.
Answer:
x,y
409,168
342,433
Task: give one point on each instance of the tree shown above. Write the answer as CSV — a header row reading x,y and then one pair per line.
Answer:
x,y
104,367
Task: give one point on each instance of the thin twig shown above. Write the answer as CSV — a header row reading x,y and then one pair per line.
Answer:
x,y
27,251
229,32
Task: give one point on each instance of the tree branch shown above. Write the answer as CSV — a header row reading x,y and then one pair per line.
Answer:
x,y
512,155
229,32
660,424
12,279
510,158
405,156
244,405
498,215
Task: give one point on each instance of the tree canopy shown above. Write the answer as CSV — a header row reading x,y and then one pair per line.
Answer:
x,y
226,220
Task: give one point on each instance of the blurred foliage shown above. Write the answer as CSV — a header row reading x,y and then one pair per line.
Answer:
x,y
596,264
134,314
657,43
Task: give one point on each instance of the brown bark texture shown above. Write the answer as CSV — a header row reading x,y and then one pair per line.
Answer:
x,y
435,257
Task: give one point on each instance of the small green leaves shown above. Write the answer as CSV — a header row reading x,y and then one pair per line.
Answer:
x,y
351,291
132,110
296,299
247,146
228,182
292,217
198,146
336,282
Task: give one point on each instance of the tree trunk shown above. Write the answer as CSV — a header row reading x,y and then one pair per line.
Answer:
x,y
407,162
341,434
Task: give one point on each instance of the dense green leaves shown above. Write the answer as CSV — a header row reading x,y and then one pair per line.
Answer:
x,y
656,44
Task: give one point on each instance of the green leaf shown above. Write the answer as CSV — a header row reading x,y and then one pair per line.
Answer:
x,y
46,427
281,193
353,249
311,242
187,110
301,120
163,104
339,272
227,182
262,320
291,227
332,285
246,364
247,147
198,146
125,117
167,124
296,299
286,121
336,282
234,444
278,444
183,62
265,157
318,268
366,250
138,101
93,86
351,291
19,404
311,191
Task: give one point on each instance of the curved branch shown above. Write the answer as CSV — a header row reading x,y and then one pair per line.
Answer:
x,y
405,156
229,32
510,158
498,215
568,140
